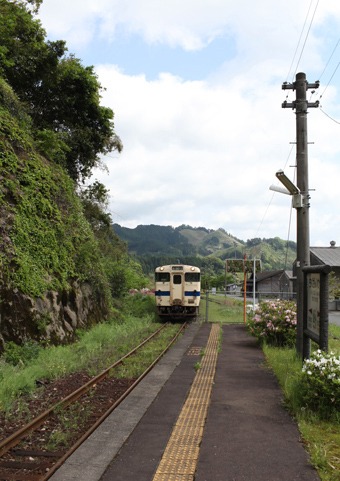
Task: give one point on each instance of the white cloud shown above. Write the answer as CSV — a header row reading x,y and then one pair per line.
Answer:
x,y
195,140
190,24
205,152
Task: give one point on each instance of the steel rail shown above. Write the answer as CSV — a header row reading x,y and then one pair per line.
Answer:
x,y
15,438
80,441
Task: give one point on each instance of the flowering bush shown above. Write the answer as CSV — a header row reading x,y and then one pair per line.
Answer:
x,y
274,322
320,383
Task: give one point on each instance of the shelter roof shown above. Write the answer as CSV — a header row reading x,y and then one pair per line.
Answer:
x,y
261,276
327,255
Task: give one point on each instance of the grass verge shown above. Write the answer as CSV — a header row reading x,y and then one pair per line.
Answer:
x,y
95,349
226,310
321,438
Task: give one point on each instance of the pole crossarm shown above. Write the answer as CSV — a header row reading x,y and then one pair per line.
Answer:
x,y
301,106
292,86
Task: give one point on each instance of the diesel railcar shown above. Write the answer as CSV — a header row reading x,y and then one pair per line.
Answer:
x,y
177,291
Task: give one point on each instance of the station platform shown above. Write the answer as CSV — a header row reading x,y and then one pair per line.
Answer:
x,y
212,417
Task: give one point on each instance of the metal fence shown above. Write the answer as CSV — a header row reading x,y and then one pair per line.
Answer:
x,y
259,296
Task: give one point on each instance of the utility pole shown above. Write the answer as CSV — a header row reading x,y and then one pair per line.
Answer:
x,y
302,217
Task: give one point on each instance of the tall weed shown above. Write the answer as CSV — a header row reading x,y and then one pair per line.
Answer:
x,y
94,349
222,309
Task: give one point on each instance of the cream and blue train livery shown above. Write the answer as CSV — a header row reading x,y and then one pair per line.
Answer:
x,y
177,290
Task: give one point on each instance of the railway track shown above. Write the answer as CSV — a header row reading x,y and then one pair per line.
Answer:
x,y
28,453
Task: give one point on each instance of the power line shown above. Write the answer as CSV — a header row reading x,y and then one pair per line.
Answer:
x,y
303,48
304,44
336,68
336,121
330,58
289,226
329,81
272,197
298,44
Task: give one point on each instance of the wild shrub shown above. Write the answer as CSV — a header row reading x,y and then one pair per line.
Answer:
x,y
15,354
140,304
274,322
320,384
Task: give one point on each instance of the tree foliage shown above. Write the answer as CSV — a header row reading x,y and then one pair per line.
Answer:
x,y
95,199
122,271
50,236
62,96
46,242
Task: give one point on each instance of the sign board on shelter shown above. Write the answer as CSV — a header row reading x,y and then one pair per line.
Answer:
x,y
243,265
313,303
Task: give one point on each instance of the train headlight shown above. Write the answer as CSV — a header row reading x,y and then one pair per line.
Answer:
x,y
192,268
161,268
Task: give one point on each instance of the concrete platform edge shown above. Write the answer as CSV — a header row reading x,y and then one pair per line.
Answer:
x,y
91,459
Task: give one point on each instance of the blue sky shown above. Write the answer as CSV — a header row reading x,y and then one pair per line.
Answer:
x,y
134,56
196,90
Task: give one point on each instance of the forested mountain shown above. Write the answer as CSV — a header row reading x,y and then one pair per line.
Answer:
x,y
155,245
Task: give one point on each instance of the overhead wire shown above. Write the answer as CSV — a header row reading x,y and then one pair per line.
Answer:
x,y
330,58
289,226
336,68
296,68
327,115
310,26
298,44
329,81
290,214
272,197
290,68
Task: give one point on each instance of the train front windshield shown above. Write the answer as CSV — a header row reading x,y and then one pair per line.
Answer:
x,y
192,277
162,277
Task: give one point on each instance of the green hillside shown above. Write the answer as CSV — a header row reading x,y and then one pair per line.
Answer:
x,y
208,241
155,245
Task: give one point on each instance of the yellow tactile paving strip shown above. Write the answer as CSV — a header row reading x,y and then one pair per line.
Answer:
x,y
181,454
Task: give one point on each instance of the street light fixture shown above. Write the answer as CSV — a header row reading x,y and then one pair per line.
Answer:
x,y
281,190
298,199
293,190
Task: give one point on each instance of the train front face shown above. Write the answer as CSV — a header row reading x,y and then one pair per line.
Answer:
x,y
177,291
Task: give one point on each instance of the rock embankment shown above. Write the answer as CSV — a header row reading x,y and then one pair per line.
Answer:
x,y
53,317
